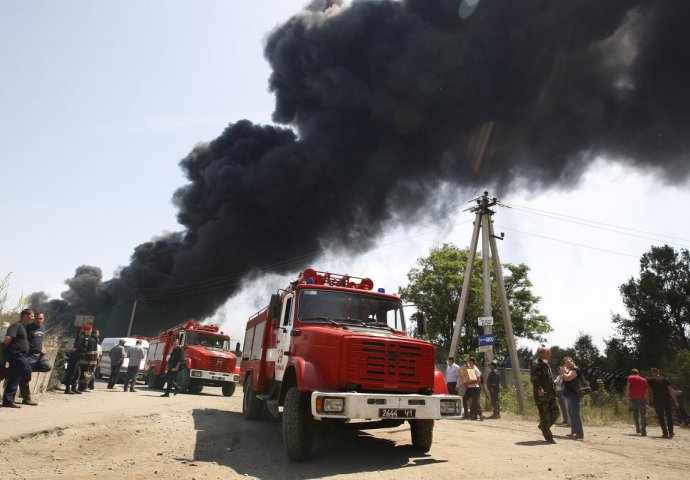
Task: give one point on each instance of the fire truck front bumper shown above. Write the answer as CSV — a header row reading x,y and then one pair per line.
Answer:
x,y
208,376
369,406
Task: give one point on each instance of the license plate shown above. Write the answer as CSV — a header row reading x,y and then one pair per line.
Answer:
x,y
396,412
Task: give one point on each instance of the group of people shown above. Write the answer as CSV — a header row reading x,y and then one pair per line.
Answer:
x,y
566,391
469,376
23,352
81,362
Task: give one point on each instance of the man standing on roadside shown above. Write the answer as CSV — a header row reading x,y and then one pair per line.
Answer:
x,y
117,357
544,392
636,389
92,383
135,355
35,332
88,358
174,362
493,382
452,376
664,401
72,371
16,352
471,380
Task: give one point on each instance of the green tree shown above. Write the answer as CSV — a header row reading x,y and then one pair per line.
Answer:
x,y
435,285
9,315
658,307
586,353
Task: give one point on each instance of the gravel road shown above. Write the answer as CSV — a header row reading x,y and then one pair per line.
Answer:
x,y
113,434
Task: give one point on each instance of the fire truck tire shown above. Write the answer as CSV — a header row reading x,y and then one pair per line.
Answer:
x,y
251,405
422,432
153,380
228,389
298,427
195,388
183,380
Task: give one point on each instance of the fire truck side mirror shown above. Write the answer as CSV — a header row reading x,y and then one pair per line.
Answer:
x,y
421,322
274,309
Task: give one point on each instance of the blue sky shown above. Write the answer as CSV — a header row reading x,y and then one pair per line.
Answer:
x,y
100,101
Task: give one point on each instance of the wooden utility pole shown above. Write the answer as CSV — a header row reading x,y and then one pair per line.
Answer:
x,y
131,317
483,222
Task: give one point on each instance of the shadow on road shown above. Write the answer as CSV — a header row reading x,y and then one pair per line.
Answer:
x,y
255,448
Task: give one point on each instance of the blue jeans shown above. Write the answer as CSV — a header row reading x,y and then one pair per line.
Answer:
x,y
131,377
573,402
639,411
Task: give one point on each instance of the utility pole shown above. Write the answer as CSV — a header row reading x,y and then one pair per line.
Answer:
x,y
131,317
483,222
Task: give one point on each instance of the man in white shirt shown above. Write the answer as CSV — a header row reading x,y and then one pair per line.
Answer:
x,y
452,376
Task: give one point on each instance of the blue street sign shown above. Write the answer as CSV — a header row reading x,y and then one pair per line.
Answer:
x,y
487,340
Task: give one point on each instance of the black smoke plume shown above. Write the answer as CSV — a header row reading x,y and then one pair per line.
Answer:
x,y
385,101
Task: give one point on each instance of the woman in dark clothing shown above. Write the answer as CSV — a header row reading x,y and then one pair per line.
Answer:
x,y
572,398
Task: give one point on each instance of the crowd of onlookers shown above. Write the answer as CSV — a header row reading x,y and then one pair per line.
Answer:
x,y
560,395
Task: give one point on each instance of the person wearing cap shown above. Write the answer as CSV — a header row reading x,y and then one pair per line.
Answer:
x,y
87,362
472,384
493,382
117,358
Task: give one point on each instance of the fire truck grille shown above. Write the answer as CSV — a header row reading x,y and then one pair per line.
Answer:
x,y
220,364
386,365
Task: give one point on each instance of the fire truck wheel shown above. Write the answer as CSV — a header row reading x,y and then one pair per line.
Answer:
x,y
228,389
196,388
183,380
298,428
422,434
251,405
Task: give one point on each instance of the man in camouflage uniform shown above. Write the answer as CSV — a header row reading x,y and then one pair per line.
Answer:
x,y
544,393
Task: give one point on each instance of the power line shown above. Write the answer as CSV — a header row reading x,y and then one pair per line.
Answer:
x,y
594,223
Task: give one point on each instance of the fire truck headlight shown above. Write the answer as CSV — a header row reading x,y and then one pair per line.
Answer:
x,y
448,407
195,373
330,404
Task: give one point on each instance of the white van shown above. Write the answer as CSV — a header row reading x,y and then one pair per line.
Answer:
x,y
108,343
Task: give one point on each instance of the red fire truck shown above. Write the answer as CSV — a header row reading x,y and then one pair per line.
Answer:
x,y
330,350
207,359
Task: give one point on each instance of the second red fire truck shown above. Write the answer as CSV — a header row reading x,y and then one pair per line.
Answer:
x,y
208,360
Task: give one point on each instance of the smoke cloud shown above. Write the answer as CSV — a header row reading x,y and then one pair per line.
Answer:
x,y
383,102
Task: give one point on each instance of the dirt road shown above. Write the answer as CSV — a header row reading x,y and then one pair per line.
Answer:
x,y
112,434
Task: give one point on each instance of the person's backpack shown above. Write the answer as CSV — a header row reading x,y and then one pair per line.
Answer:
x,y
582,386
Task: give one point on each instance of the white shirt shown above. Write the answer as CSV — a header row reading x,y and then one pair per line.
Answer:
x,y
452,373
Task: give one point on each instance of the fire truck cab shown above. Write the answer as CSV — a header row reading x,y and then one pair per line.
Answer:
x,y
329,349
207,358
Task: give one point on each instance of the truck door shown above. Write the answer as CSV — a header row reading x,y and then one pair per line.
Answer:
x,y
283,337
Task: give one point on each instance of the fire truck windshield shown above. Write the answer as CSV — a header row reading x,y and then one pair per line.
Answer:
x,y
349,308
208,340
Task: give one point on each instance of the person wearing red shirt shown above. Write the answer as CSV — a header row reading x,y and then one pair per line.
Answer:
x,y
637,390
